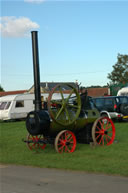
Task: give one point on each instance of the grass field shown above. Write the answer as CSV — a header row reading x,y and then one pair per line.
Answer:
x,y
108,159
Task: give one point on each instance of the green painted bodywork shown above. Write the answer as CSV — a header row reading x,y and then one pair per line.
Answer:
x,y
80,123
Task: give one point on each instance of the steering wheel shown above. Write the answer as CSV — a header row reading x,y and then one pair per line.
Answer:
x,y
64,110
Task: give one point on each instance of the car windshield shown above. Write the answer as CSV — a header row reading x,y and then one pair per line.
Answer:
x,y
123,100
99,102
92,104
4,105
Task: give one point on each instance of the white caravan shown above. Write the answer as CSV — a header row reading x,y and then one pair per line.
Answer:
x,y
123,92
18,106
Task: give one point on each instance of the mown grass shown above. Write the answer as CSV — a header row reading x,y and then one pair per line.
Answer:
x,y
108,159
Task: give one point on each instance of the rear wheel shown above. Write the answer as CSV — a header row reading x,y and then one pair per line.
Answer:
x,y
103,131
65,141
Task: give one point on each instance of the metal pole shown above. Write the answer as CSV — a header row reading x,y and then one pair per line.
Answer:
x,y
36,70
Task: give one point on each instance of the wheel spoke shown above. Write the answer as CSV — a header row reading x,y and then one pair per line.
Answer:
x,y
33,145
66,148
65,136
71,142
60,111
61,149
102,124
107,139
98,136
61,141
110,132
61,93
59,144
98,128
99,131
100,140
37,139
69,150
109,127
69,95
69,137
67,114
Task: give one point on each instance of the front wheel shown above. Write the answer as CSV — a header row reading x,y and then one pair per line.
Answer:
x,y
103,131
65,141
35,143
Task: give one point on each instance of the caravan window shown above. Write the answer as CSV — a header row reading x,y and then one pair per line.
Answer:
x,y
8,105
2,105
19,104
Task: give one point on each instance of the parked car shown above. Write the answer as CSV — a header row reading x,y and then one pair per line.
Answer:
x,y
115,107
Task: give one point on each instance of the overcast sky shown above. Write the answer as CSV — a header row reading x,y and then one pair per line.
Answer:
x,y
78,40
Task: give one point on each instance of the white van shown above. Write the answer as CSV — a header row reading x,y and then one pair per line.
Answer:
x,y
123,92
16,106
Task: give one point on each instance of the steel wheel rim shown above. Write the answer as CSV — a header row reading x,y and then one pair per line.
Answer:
x,y
33,142
65,142
103,131
64,112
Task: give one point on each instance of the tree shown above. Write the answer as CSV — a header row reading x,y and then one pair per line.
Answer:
x,y
1,89
120,70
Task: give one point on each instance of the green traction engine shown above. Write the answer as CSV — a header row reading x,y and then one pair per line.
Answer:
x,y
66,121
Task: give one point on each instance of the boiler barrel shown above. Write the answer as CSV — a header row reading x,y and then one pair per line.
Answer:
x,y
38,122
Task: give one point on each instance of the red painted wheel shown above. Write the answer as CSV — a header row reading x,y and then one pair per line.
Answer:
x,y
65,141
103,131
35,142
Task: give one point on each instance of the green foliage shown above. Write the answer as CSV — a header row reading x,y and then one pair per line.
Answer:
x,y
120,70
1,89
108,159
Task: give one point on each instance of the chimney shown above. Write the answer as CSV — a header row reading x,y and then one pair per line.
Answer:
x,y
36,70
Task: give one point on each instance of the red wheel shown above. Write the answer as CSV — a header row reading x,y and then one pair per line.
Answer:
x,y
35,142
103,131
65,141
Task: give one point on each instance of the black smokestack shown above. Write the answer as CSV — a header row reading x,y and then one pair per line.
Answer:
x,y
36,70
